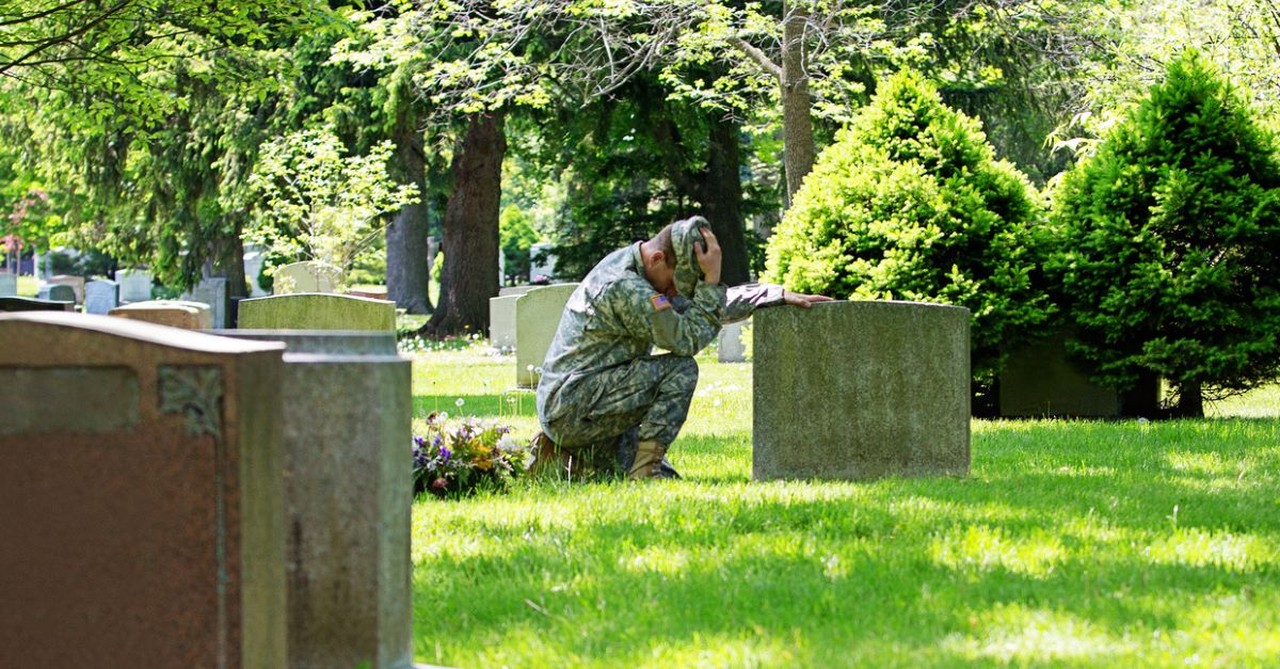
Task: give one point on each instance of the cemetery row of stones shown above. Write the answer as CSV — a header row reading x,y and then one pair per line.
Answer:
x,y
241,498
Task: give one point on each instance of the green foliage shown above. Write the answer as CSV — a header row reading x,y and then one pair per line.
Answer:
x,y
516,235
317,203
909,204
1172,240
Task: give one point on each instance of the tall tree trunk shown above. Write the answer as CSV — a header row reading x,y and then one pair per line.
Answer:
x,y
1190,400
407,234
797,122
226,255
722,201
469,276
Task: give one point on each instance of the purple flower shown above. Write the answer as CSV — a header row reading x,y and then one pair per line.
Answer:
x,y
445,453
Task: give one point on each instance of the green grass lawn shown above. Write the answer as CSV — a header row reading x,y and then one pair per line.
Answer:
x,y
1070,544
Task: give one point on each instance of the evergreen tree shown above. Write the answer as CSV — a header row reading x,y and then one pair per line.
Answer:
x,y
910,204
1172,237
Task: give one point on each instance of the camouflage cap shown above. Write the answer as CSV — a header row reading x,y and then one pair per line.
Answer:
x,y
684,234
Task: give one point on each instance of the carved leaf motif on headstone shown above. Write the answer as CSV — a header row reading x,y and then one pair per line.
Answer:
x,y
195,391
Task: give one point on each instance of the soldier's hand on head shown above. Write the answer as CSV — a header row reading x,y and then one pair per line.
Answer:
x,y
708,256
801,300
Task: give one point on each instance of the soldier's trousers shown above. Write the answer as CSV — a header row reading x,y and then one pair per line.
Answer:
x,y
650,394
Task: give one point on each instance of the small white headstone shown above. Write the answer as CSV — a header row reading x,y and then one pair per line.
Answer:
x,y
8,284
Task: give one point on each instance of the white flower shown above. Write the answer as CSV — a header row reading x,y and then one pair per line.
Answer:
x,y
460,402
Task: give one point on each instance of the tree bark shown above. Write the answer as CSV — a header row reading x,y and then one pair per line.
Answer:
x,y
722,201
797,122
469,276
227,259
1190,400
407,234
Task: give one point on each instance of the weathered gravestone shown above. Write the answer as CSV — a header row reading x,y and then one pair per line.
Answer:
x,y
348,493
317,311
33,304
213,292
537,317
732,348
8,284
306,277
173,313
135,285
502,321
1039,380
141,488
101,296
75,282
860,390
57,292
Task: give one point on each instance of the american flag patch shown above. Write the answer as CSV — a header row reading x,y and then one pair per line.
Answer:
x,y
660,302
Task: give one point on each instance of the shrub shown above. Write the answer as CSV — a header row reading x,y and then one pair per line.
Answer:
x,y
1172,240
910,204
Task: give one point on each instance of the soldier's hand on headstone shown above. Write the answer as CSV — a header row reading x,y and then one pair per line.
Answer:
x,y
801,300
708,256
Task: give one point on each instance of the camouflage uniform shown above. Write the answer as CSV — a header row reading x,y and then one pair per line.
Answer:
x,y
602,389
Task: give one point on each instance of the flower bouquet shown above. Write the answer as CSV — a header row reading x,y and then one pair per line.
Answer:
x,y
457,457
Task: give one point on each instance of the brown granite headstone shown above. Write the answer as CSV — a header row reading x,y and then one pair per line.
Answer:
x,y
141,504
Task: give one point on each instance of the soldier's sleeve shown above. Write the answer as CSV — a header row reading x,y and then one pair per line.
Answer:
x,y
652,316
743,300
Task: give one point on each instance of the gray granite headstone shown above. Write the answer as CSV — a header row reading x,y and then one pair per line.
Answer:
x,y
732,348
75,282
57,292
8,284
860,390
537,317
1040,381
348,493
101,296
142,495
213,292
135,285
254,260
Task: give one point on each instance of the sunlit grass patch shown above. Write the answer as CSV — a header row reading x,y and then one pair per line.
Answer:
x,y
1071,543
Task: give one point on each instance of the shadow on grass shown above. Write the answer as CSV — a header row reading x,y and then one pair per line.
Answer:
x,y
1075,543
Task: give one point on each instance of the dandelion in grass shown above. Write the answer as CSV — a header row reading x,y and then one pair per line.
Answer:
x,y
459,402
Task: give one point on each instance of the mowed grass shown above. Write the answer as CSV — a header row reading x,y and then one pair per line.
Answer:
x,y
1071,543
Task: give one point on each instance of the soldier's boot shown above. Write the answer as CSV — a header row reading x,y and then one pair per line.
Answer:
x,y
649,455
548,459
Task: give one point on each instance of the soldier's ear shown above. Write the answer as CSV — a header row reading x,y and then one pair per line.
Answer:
x,y
658,257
